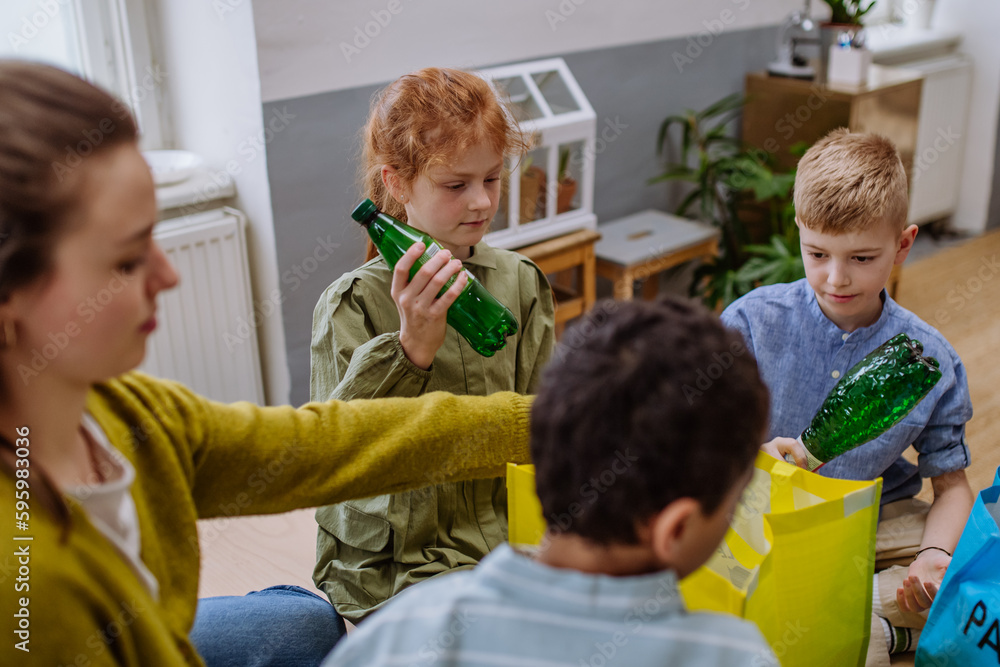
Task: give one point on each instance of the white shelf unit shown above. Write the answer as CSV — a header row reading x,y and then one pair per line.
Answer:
x,y
945,99
941,136
550,106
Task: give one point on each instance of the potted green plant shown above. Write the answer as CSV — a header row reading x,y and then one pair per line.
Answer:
x,y
722,177
532,189
566,188
848,12
844,33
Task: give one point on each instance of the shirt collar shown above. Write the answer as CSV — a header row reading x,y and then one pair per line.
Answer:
x,y
827,326
613,596
483,255
110,459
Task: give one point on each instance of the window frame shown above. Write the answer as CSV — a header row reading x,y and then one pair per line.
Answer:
x,y
118,53
110,43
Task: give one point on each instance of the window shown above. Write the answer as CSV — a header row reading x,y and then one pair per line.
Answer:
x,y
105,41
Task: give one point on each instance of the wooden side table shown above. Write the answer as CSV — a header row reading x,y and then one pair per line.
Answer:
x,y
780,112
640,246
571,259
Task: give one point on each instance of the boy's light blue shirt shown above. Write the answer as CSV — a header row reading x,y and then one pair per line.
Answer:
x,y
801,353
511,610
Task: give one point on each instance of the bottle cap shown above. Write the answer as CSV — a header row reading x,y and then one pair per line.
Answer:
x,y
364,211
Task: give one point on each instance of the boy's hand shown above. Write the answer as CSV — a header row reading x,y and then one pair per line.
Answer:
x,y
781,446
953,500
924,577
422,315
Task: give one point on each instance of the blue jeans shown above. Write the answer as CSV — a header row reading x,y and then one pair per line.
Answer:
x,y
280,625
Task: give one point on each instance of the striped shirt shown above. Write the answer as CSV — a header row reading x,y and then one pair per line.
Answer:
x,y
512,610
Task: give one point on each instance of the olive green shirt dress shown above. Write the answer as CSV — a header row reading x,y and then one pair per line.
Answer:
x,y
369,550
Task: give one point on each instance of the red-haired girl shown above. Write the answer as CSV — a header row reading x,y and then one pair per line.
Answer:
x,y
433,156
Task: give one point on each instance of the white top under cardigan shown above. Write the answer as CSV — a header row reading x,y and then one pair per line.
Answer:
x,y
109,504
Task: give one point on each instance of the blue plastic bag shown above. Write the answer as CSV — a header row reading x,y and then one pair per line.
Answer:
x,y
963,628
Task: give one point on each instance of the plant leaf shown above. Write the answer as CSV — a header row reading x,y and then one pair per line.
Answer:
x,y
685,142
661,137
678,173
692,197
727,103
799,148
728,118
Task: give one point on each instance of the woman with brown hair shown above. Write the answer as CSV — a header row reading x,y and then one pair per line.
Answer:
x,y
105,470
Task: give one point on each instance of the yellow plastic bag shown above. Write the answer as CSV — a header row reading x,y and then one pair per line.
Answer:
x,y
525,525
798,560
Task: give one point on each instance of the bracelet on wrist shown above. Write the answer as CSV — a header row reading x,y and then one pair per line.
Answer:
x,y
917,555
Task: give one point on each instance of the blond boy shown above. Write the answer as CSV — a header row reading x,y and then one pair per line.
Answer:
x,y
851,207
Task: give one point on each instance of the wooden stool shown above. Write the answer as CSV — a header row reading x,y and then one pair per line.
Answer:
x,y
640,246
571,258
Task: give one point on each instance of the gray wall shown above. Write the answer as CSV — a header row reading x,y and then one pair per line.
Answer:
x,y
312,164
993,214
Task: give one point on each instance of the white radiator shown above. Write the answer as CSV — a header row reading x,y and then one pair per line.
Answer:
x,y
937,162
206,337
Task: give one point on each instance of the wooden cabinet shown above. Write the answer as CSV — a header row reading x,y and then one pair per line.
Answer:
x,y
781,112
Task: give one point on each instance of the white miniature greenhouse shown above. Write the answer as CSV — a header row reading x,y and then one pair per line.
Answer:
x,y
549,105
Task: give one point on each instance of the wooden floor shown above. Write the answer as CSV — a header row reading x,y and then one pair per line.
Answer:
x,y
957,290
247,554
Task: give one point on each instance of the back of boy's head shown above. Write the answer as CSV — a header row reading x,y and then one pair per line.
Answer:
x,y
425,118
850,182
642,404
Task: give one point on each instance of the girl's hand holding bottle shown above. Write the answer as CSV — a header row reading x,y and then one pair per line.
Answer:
x,y
422,313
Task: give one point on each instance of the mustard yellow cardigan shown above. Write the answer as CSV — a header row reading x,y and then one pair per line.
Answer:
x,y
195,458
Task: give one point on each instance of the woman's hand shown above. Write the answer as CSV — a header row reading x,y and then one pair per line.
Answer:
x,y
923,579
781,446
422,315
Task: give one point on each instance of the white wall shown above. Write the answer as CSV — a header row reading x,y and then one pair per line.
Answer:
x,y
209,54
308,46
978,21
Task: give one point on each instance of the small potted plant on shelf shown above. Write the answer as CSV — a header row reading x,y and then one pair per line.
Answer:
x,y
848,12
532,189
567,184
844,57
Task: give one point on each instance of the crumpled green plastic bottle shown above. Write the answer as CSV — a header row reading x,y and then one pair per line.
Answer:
x,y
876,393
476,314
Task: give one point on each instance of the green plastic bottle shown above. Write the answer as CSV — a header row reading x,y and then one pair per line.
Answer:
x,y
876,393
476,314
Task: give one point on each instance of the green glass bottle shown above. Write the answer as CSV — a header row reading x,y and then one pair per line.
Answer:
x,y
476,314
876,393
